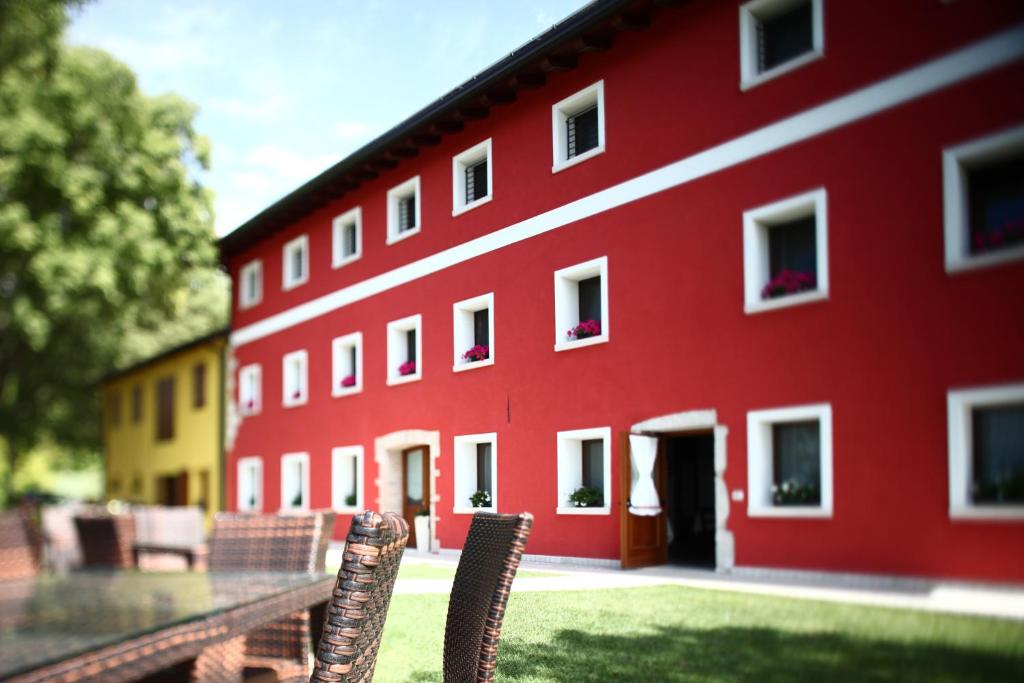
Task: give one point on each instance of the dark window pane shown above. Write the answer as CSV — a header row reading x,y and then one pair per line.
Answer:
x,y
348,243
784,36
593,465
481,327
137,404
199,385
483,467
998,451
352,360
165,409
792,257
298,264
590,298
581,132
796,463
996,205
410,345
407,213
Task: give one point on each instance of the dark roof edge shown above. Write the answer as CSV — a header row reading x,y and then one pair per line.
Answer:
x,y
534,49
163,355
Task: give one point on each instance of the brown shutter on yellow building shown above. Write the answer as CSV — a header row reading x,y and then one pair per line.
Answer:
x,y
165,409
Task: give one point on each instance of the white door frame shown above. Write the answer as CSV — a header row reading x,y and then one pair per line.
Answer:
x,y
388,456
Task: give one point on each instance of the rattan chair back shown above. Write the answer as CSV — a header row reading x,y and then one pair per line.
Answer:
x,y
356,614
17,555
106,540
476,609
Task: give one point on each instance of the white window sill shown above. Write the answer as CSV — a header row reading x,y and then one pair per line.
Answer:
x,y
249,413
992,513
472,511
998,258
469,207
245,306
399,236
786,301
346,391
404,379
473,366
794,511
583,511
579,158
300,508
295,403
580,343
781,69
347,260
295,283
349,509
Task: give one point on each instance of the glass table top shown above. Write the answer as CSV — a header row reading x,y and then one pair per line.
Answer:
x,y
53,617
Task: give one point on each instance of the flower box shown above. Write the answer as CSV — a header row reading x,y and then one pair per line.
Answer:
x,y
407,368
788,282
587,328
477,353
348,381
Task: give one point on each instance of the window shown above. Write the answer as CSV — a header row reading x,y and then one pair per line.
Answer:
x,y
249,389
250,284
137,404
785,253
476,467
347,479
296,262
984,201
789,462
294,381
986,452
777,36
404,210
165,409
114,409
348,237
250,484
295,481
473,332
581,304
404,346
471,178
584,471
577,127
199,385
347,364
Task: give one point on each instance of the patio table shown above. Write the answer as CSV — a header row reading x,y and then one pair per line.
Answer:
x,y
124,625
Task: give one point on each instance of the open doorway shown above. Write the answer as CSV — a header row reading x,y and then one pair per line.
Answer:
x,y
689,498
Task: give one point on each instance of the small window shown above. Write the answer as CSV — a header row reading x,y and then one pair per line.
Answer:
x,y
295,481
984,201
250,484
986,452
199,385
165,409
577,127
581,305
250,284
347,479
348,237
471,178
137,404
404,345
296,262
785,253
789,462
347,364
476,458
114,409
473,332
404,210
777,36
584,471
294,379
249,389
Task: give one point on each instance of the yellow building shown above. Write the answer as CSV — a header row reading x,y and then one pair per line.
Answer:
x,y
162,427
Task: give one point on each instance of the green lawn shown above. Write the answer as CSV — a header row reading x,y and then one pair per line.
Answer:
x,y
447,572
680,634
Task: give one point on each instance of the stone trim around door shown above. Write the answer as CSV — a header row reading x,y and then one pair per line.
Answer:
x,y
387,453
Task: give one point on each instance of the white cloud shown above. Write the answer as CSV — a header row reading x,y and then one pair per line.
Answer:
x,y
287,164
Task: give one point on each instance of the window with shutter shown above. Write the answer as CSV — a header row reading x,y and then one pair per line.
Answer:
x,y
784,36
483,467
165,409
482,327
476,181
199,385
589,293
581,132
406,213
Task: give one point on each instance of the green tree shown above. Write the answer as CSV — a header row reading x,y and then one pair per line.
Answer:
x,y
103,229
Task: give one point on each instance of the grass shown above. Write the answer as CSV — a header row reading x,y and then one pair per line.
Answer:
x,y
673,633
447,572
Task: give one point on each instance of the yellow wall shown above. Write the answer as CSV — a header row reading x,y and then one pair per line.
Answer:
x,y
135,458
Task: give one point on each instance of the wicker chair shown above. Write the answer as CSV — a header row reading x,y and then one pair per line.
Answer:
x,y
476,609
18,559
355,617
295,543
106,540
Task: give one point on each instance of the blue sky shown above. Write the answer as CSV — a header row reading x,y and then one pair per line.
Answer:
x,y
287,88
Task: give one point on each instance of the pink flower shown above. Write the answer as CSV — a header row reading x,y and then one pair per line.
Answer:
x,y
348,381
787,282
478,352
296,394
250,404
407,368
587,328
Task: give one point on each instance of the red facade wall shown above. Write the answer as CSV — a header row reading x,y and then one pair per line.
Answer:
x,y
895,335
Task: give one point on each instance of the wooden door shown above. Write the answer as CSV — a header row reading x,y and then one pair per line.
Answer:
x,y
415,487
642,539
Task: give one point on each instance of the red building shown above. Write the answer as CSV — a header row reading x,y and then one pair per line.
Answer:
x,y
782,241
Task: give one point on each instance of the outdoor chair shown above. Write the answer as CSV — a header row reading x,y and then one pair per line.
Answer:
x,y
106,540
355,617
282,543
476,609
18,558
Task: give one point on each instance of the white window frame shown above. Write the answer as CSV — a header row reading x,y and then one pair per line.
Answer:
x,y
339,469
285,460
749,75
759,460
252,462
250,378
394,194
955,161
339,361
288,279
396,342
756,224
351,217
288,400
460,162
570,106
462,331
959,404
247,298
567,302
569,452
464,472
